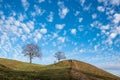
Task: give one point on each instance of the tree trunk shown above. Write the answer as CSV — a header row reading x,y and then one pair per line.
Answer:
x,y
30,58
58,60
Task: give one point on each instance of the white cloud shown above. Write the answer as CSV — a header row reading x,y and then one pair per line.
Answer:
x,y
62,10
108,32
30,24
87,8
26,29
116,18
3,38
73,31
1,13
1,22
50,17
65,32
24,38
43,30
105,27
40,1
100,8
100,1
96,24
55,35
96,47
94,16
110,11
13,39
77,13
13,26
109,41
6,48
82,2
80,20
17,23
10,20
109,2
42,25
13,13
33,14
117,30
117,42
59,26
113,35
81,50
38,11
38,36
35,40
20,31
61,39
3,17
115,2
25,4
21,17
14,29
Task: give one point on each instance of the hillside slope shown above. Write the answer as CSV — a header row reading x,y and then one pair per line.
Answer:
x,y
64,70
84,71
18,65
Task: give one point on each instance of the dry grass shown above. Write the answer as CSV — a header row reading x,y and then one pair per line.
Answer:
x,y
21,66
64,70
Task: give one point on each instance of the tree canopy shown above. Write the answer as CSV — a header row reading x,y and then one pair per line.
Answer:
x,y
60,55
32,50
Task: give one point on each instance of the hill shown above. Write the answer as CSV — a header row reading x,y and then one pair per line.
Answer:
x,y
20,66
64,70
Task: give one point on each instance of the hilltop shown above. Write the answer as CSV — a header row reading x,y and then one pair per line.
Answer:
x,y
63,70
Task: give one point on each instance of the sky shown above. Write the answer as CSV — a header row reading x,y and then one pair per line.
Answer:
x,y
85,30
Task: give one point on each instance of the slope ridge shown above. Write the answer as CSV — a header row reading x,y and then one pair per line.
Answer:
x,y
82,70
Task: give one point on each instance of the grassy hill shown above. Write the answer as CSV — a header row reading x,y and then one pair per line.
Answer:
x,y
20,66
64,70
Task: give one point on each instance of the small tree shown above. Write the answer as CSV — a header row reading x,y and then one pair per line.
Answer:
x,y
60,55
31,50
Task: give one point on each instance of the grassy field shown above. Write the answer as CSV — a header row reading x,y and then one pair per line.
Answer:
x,y
64,70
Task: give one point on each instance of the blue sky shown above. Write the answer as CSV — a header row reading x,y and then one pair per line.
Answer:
x,y
85,30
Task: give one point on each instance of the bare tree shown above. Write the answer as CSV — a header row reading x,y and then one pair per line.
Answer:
x,y
60,55
31,50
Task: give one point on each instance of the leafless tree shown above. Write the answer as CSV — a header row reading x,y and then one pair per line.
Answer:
x,y
32,50
60,55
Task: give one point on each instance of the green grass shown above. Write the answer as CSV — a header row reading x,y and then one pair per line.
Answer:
x,y
64,70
